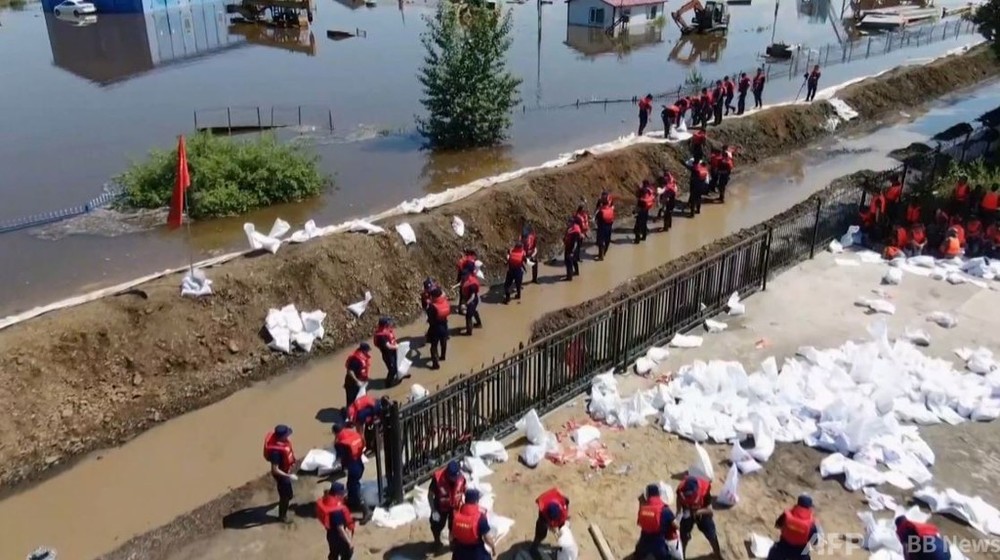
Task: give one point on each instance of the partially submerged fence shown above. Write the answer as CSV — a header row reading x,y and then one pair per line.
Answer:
x,y
45,218
241,119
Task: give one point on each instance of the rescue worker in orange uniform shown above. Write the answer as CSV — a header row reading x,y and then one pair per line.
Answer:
x,y
358,367
951,247
657,526
385,340
645,108
694,501
425,296
974,237
990,205
572,240
336,518
918,240
278,452
682,105
913,213
758,89
516,259
362,414
743,86
798,531
956,225
894,197
698,186
469,256
583,219
470,293
877,207
698,142
722,172
349,446
668,113
812,82
553,512
921,541
645,199
446,494
730,89
604,220
470,531
668,199
437,327
530,242
960,196
898,244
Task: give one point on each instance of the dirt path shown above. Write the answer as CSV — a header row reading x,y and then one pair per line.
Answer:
x,y
105,371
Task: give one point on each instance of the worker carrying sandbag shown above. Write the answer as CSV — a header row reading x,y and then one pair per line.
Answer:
x,y
657,526
694,502
553,512
921,541
798,531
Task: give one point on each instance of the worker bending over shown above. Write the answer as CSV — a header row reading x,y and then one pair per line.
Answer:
x,y
530,241
470,531
553,512
798,531
336,518
657,527
694,501
446,495
921,541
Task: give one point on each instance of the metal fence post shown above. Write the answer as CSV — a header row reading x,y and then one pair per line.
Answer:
x,y
767,258
627,331
812,246
229,120
394,453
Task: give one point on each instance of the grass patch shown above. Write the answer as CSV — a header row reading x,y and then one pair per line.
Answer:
x,y
228,177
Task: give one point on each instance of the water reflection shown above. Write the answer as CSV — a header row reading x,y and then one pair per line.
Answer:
x,y
591,42
690,49
443,170
293,39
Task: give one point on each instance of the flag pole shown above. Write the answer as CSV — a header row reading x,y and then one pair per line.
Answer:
x,y
187,222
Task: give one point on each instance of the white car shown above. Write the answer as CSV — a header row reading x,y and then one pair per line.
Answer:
x,y
75,7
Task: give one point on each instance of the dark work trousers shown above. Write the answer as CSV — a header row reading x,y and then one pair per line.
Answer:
x,y
643,117
641,228
784,551
472,315
440,524
572,267
717,111
284,495
698,152
514,279
339,549
437,337
729,103
355,471
707,114
741,103
758,98
666,124
694,200
811,90
541,530
721,183
667,208
603,239
705,524
351,391
576,256
651,546
389,357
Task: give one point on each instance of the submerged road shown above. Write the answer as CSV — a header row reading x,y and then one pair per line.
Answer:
x,y
169,470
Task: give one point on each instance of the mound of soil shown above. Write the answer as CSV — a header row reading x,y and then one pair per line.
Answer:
x,y
100,373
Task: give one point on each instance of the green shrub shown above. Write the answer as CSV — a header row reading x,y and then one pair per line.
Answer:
x,y
228,177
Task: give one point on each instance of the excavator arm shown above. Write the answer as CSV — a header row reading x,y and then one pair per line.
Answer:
x,y
687,7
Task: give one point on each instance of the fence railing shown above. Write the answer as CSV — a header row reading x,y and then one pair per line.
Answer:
x,y
421,436
802,59
45,218
237,119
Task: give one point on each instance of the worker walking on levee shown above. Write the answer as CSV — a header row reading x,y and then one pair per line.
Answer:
x,y
645,108
743,86
572,241
470,293
697,186
438,334
645,200
668,199
812,82
349,446
446,494
694,501
604,221
333,513
553,512
657,527
470,531
798,531
758,89
921,541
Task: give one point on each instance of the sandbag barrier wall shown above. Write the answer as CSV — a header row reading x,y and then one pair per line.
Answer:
x,y
421,436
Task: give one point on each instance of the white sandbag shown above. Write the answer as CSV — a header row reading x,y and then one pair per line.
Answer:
x,y
292,318
734,306
879,534
279,228
403,363
308,231
304,340
876,305
917,337
476,467
972,510
851,237
532,455
981,361
702,465
405,230
361,226
713,326
923,261
685,341
878,501
490,451
763,439
322,461
675,550
418,497
644,365
942,319
394,517
760,545
417,392
358,308
458,226
260,241
857,475
479,270
500,525
534,430
568,549
955,278
729,495
846,262
892,277
657,354
743,460
281,340
585,435
312,323
835,247
195,284
869,257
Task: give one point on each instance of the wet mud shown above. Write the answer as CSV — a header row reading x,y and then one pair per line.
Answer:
x,y
98,374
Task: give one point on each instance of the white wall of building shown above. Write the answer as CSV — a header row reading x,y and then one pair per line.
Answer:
x,y
595,13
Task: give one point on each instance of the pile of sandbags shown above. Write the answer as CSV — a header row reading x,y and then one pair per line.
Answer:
x,y
289,328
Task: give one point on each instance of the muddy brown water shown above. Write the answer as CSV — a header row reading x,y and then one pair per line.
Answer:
x,y
106,498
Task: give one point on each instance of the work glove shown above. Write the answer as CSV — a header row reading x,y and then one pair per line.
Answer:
x,y
435,516
293,477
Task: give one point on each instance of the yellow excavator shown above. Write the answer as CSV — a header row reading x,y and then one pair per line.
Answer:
x,y
712,17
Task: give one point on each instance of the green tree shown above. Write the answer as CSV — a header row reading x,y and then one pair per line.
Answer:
x,y
468,91
987,19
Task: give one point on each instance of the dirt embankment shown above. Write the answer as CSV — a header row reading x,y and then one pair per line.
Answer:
x,y
98,374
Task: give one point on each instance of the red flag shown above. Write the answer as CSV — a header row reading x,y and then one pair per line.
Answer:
x,y
176,216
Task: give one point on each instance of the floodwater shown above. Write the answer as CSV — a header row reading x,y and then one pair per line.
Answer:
x,y
92,508
80,102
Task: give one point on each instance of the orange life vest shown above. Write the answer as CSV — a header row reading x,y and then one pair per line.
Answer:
x,y
912,213
797,526
701,172
951,247
470,286
384,336
364,359
923,530
449,495
465,525
894,193
697,501
902,239
515,259
529,242
991,201
960,232
361,403
867,218
961,193
351,440
607,214
272,444
572,236
918,236
891,252
554,496
442,308
465,260
973,228
584,221
648,520
699,138
647,199
329,504
877,205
